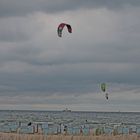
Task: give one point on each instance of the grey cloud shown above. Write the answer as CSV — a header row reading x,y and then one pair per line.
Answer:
x,y
19,29
35,62
75,79
22,8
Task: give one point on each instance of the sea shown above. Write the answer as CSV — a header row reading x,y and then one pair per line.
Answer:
x,y
54,122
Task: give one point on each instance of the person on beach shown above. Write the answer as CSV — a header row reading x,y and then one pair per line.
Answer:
x,y
106,95
29,124
65,129
81,130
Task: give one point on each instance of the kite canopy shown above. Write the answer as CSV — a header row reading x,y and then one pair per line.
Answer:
x,y
61,27
103,87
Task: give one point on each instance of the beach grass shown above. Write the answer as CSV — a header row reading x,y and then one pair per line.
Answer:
x,y
12,136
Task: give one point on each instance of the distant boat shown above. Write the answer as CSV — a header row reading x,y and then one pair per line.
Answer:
x,y
67,110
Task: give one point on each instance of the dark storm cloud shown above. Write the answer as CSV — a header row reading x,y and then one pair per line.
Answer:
x,y
22,8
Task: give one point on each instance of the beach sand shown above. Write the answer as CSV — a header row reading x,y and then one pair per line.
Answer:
x,y
11,136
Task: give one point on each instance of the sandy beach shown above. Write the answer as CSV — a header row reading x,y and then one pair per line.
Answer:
x,y
11,136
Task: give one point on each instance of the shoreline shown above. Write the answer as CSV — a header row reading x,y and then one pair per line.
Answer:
x,y
16,136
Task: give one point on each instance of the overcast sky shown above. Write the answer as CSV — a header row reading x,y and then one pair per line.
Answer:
x,y
40,71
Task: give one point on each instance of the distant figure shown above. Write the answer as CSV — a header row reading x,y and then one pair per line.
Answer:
x,y
29,124
19,127
81,130
65,129
60,128
106,95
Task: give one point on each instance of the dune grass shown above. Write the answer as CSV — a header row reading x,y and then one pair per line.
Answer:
x,y
11,136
